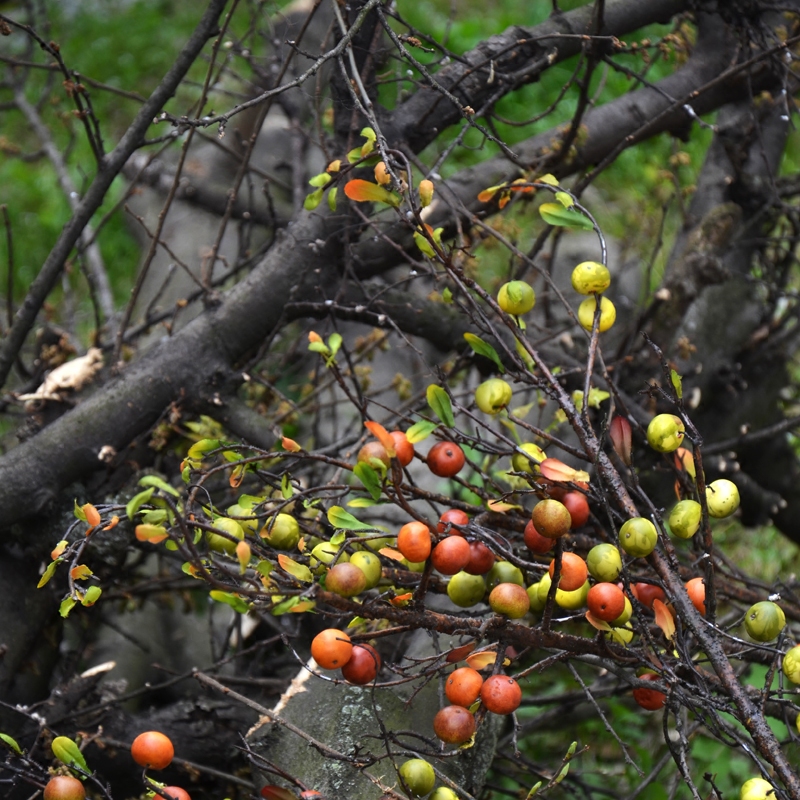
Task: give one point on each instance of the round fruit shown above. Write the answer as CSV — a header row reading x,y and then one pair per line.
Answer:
x,y
649,699
578,507
414,541
324,554
363,666
451,555
757,789
516,297
622,634
722,498
454,725
638,537
604,562
551,518
404,450
665,433
444,793
501,694
281,532
174,793
764,621
608,313
529,462
544,589
504,572
481,559
152,750
221,544
463,687
606,601
370,565
238,510
466,590
445,459
418,776
493,396
64,787
534,540
374,454
451,518
573,572
537,601
696,589
331,648
684,519
791,664
645,593
509,599
589,277
345,579
570,601
626,614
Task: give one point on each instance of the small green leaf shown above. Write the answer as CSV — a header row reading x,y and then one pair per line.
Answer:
x,y
79,512
321,181
556,214
313,200
677,383
287,490
67,752
67,604
264,568
420,431
338,538
286,605
424,245
439,401
534,790
354,155
12,743
549,179
137,501
234,601
334,343
92,596
447,295
367,475
154,517
484,349
48,573
565,199
563,774
571,752
332,198
341,519
198,449
159,483
597,396
362,502
319,347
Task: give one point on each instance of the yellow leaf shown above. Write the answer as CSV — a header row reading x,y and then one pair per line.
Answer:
x,y
80,573
299,571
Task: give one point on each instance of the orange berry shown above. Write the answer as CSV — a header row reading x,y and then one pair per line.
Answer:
x,y
414,541
152,750
463,687
331,648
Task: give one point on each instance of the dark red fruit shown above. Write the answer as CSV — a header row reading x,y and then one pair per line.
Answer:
x,y
363,666
535,542
445,459
649,699
481,559
454,725
645,593
578,508
451,555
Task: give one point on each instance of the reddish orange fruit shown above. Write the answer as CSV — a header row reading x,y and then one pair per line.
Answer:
x,y
578,507
454,725
501,694
331,648
452,517
403,449
696,589
173,793
574,572
481,559
414,541
649,699
445,459
363,666
606,601
534,540
451,555
64,787
463,687
645,593
152,750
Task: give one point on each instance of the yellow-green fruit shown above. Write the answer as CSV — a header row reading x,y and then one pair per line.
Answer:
x,y
380,542
418,776
281,532
250,525
722,498
604,562
623,618
493,396
608,314
764,621
324,553
544,588
589,277
621,634
521,463
665,433
414,566
466,590
638,537
370,565
537,602
444,793
221,544
684,519
791,664
516,297
504,572
757,789
573,600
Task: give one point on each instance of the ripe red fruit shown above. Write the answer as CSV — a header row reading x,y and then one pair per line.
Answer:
x,y
454,725
453,516
645,593
696,589
331,648
445,459
174,793
64,787
649,699
463,687
403,449
414,541
578,507
535,542
606,601
363,666
481,559
551,518
501,694
574,572
451,555
152,750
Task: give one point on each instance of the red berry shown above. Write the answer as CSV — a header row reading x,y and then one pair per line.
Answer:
x,y
445,459
152,750
501,694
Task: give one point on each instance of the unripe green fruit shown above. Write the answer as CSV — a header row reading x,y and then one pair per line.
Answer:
x,y
466,590
516,297
574,600
544,588
521,463
684,519
638,537
444,793
764,621
414,566
665,433
493,396
791,664
380,542
221,544
250,526
608,314
323,554
623,618
370,565
418,776
281,532
504,572
757,789
537,602
722,498
604,562
589,277
621,634
509,599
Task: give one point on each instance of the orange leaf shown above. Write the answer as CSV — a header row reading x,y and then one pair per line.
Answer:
x,y
92,514
299,571
664,618
80,573
112,524
314,337
487,195
59,549
303,605
243,554
151,533
290,445
481,660
459,653
365,192
401,599
597,623
383,436
395,555
556,470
